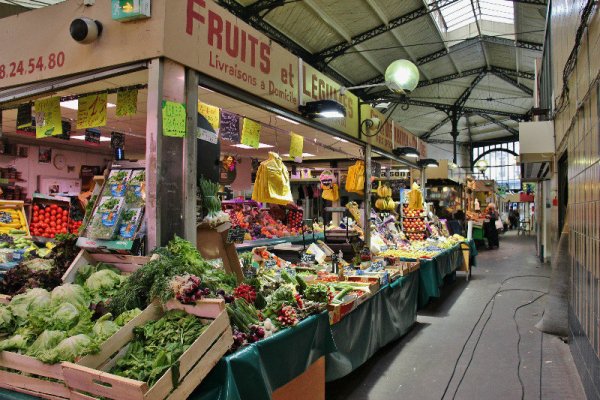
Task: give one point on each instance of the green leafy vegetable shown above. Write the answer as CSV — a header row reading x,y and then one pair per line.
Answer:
x,y
103,284
69,349
157,346
104,328
21,305
7,321
45,341
127,316
70,293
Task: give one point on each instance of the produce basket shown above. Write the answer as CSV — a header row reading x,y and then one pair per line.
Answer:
x,y
89,379
14,211
49,214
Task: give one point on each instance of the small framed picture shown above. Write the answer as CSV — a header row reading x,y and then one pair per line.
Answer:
x,y
45,155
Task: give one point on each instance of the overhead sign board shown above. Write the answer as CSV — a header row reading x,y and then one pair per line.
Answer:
x,y
208,38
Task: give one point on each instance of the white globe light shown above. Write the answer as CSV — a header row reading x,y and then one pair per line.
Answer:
x,y
402,76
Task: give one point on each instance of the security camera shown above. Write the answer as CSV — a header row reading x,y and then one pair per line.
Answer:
x,y
85,30
373,123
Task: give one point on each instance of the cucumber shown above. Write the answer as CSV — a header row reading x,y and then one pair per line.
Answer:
x,y
301,284
17,232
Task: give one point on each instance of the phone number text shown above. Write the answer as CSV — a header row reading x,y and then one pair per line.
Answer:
x,y
26,67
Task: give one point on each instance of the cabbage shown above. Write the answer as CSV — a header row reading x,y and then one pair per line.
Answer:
x,y
69,349
103,284
34,299
69,293
65,317
127,316
16,342
104,328
46,341
7,322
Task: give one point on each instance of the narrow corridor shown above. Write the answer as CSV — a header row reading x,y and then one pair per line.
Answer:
x,y
462,349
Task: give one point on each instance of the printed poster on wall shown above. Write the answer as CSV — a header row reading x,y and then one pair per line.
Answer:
x,y
296,145
91,111
126,103
251,133
24,116
230,126
47,117
92,136
174,116
212,116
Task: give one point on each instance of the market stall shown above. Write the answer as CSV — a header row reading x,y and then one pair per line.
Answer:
x,y
179,198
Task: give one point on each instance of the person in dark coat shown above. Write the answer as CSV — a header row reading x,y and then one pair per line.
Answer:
x,y
489,228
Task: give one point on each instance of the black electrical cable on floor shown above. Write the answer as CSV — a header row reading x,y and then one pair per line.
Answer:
x,y
541,356
481,335
519,343
477,323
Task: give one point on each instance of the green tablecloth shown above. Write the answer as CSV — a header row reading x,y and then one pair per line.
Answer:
x,y
386,316
433,272
257,370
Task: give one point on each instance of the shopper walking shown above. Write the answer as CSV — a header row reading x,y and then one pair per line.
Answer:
x,y
489,227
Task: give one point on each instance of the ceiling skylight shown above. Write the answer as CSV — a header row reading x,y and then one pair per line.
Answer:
x,y
460,13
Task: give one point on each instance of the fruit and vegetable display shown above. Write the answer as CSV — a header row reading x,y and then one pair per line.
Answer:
x,y
42,268
413,223
62,324
12,220
259,223
49,220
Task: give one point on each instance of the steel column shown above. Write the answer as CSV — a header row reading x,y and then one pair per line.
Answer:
x,y
367,198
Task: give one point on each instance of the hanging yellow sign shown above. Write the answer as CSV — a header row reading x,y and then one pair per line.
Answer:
x,y
127,103
251,133
47,117
91,111
211,113
174,117
296,145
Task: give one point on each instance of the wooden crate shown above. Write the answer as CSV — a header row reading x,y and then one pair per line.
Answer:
x,y
89,379
126,263
33,377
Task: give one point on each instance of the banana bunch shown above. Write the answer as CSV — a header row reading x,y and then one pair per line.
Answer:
x,y
384,202
12,221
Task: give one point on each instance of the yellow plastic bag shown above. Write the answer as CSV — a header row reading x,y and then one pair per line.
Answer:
x,y
331,193
355,182
272,183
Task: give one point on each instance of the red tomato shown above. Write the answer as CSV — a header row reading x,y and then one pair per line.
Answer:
x,y
64,219
36,207
53,213
35,218
65,213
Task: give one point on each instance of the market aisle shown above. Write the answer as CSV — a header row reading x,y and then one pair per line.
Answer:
x,y
420,365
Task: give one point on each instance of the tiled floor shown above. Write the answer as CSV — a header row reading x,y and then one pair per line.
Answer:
x,y
420,365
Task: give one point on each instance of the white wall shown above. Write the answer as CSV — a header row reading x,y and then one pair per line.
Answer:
x,y
30,168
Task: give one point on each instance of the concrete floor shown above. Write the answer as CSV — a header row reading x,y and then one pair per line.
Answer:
x,y
420,365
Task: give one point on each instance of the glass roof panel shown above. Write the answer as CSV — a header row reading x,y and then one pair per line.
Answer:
x,y
460,13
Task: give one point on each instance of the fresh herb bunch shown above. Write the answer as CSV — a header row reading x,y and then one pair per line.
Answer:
x,y
152,281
